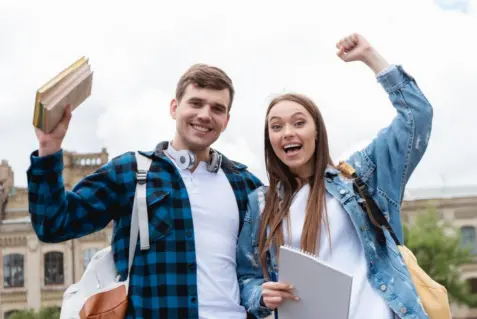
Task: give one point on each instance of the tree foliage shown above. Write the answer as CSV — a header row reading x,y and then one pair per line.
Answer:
x,y
43,313
439,251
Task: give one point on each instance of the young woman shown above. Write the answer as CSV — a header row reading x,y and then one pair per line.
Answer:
x,y
313,206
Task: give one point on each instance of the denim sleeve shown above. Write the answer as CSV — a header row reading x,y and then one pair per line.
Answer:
x,y
249,271
389,160
58,215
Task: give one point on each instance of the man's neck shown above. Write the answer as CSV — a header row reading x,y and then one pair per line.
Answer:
x,y
202,155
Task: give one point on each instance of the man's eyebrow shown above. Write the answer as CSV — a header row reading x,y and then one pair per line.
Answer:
x,y
195,99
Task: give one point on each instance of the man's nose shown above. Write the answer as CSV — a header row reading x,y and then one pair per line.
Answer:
x,y
204,113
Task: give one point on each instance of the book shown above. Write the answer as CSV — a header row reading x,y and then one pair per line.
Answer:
x,y
324,291
70,86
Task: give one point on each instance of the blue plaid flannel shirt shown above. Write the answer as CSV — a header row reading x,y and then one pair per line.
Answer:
x,y
163,282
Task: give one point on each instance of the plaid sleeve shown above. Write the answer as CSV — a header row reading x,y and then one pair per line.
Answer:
x,y
253,182
58,215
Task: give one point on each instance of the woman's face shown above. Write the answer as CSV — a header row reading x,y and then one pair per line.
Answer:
x,y
292,134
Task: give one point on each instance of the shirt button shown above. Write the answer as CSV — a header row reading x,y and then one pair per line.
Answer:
x,y
403,309
193,299
188,233
191,266
363,228
342,192
383,287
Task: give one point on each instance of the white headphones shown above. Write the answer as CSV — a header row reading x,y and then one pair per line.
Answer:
x,y
186,159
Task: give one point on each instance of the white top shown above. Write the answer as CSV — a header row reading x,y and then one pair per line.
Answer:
x,y
346,253
216,221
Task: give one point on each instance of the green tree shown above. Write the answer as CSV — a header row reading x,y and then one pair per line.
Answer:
x,y
437,246
49,313
23,314
43,313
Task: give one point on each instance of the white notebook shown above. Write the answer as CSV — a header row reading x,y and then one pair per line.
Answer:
x,y
324,292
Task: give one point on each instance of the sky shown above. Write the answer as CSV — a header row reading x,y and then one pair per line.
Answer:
x,y
138,53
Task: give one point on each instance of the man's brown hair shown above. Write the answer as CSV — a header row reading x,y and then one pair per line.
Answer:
x,y
205,76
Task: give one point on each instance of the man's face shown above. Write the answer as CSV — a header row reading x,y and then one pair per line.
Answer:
x,y
201,116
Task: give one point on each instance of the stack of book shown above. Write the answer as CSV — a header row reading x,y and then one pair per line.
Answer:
x,y
70,87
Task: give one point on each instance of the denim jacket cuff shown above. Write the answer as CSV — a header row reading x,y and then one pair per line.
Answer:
x,y
46,164
393,78
262,304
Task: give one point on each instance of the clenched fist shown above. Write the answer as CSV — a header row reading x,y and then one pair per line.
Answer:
x,y
353,48
356,48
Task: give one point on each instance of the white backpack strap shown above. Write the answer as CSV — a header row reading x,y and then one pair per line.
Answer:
x,y
143,164
139,219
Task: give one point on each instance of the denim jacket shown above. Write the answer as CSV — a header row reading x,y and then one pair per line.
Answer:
x,y
385,166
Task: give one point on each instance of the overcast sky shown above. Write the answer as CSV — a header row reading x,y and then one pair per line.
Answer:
x,y
139,51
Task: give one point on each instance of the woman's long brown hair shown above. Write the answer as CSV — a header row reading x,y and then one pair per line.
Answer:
x,y
276,210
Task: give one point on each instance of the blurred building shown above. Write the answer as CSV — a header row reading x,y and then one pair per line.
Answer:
x,y
35,274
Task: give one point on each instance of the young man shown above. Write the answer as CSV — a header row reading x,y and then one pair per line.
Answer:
x,y
195,212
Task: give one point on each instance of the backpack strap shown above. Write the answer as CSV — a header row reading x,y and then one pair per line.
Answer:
x,y
143,165
139,218
374,212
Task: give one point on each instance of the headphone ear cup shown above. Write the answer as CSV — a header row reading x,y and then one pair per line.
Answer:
x,y
185,159
212,162
215,162
219,162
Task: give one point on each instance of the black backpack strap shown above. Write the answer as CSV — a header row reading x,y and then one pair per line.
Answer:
x,y
374,212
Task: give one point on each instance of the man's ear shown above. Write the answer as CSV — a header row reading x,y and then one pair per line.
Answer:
x,y
173,108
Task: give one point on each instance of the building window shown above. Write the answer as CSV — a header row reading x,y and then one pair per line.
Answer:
x,y
13,271
88,254
468,238
12,191
54,272
472,284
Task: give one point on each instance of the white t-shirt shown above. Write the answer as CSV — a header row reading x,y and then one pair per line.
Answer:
x,y
346,253
216,222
